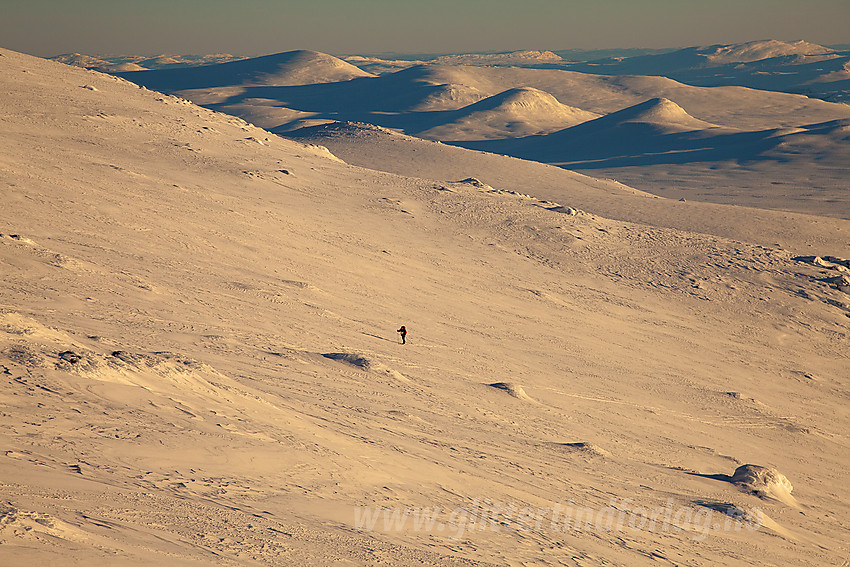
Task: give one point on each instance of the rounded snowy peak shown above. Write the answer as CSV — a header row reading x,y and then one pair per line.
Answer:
x,y
300,67
523,99
516,112
529,103
661,112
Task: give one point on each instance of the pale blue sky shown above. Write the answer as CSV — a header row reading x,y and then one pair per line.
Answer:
x,y
256,27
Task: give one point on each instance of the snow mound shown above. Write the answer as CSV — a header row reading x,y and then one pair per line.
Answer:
x,y
765,482
474,182
569,211
585,448
351,358
366,364
513,389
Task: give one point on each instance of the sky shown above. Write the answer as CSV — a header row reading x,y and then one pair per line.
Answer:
x,y
258,27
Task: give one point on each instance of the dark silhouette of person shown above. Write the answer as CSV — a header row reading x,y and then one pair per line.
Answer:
x,y
403,333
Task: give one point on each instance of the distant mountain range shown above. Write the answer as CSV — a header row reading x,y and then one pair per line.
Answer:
x,y
799,67
794,67
662,122
119,63
280,69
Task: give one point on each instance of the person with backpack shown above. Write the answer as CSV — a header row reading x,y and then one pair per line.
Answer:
x,y
403,333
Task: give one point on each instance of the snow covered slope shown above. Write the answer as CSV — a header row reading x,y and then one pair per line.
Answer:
x,y
200,365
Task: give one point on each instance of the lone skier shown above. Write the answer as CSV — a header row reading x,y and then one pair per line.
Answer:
x,y
403,333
